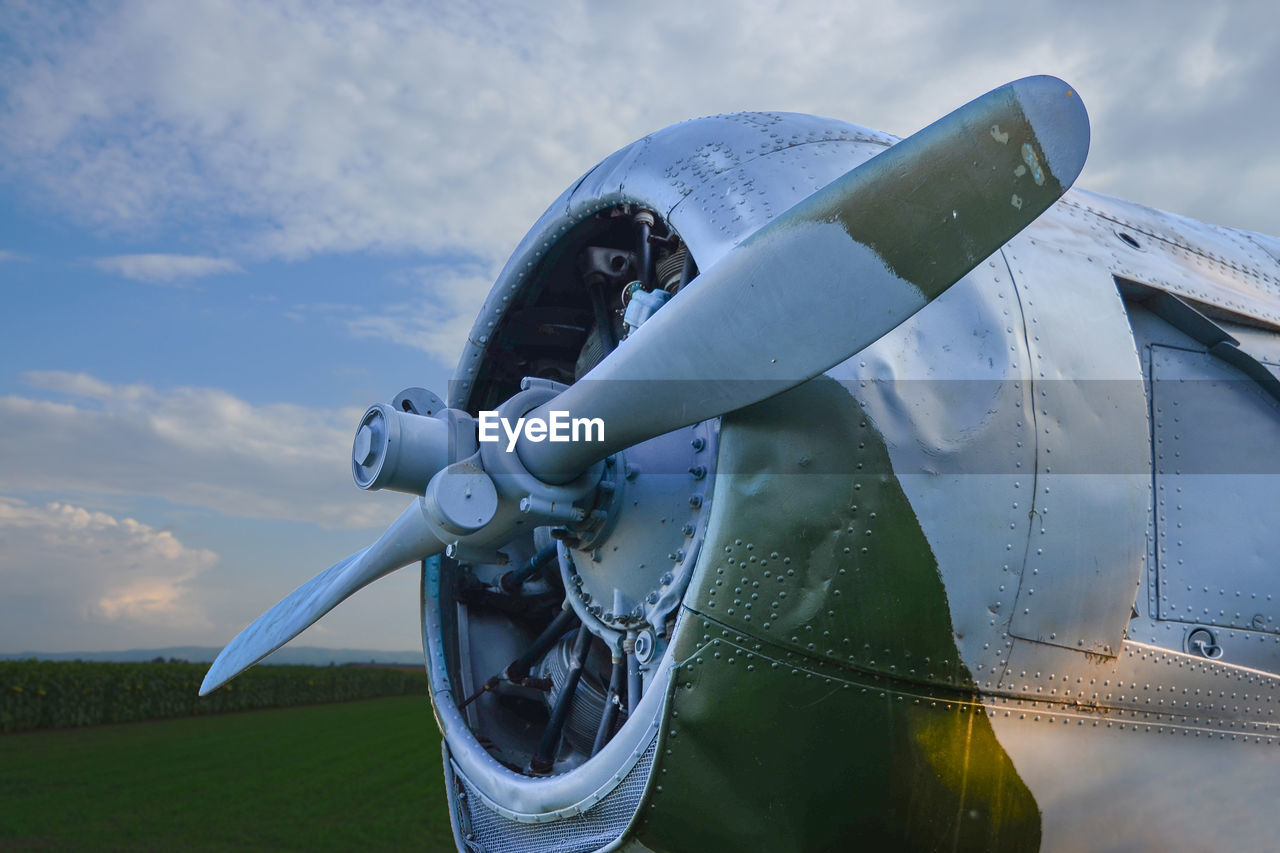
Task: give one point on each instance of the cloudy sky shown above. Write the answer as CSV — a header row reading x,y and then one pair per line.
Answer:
x,y
226,228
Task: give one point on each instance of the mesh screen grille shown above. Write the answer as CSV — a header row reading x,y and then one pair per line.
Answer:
x,y
597,826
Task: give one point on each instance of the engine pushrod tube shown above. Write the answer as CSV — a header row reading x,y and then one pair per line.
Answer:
x,y
604,320
520,666
512,581
611,700
635,686
544,758
645,220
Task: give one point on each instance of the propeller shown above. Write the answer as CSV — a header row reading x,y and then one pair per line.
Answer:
x,y
834,273
807,291
408,540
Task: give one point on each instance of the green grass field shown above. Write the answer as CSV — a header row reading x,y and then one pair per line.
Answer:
x,y
359,775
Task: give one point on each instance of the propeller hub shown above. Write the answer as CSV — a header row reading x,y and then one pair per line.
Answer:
x,y
402,450
461,499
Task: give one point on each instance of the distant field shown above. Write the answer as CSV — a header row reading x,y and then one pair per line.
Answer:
x,y
57,694
358,775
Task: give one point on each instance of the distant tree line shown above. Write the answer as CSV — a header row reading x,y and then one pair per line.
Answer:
x,y
59,694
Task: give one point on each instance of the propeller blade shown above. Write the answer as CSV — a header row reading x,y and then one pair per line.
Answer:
x,y
833,274
408,540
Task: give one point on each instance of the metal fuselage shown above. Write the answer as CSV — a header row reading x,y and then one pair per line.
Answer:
x,y
945,596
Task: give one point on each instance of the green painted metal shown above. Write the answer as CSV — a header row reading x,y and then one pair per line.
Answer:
x,y
942,198
831,619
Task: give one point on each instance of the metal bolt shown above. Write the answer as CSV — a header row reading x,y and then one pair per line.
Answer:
x,y
695,501
687,530
699,443
365,447
643,645
698,472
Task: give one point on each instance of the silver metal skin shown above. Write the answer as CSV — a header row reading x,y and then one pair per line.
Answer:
x,y
1071,611
1042,388
1028,413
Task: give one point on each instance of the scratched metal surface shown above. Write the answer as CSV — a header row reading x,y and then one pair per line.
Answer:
x,y
961,446
956,393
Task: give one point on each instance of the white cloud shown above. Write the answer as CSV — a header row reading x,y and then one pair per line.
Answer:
x,y
318,127
7,256
438,317
65,568
193,446
165,269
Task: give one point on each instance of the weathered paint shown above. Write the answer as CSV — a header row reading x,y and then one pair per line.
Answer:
x,y
888,743
931,218
1166,729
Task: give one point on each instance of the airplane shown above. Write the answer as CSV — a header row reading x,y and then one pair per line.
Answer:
x,y
840,490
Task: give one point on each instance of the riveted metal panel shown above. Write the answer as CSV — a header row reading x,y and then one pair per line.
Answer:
x,y
894,764
844,574
1178,749
949,389
1244,647
687,156
1216,434
1145,685
1266,242
736,153
727,207
1090,491
1151,724
1234,271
